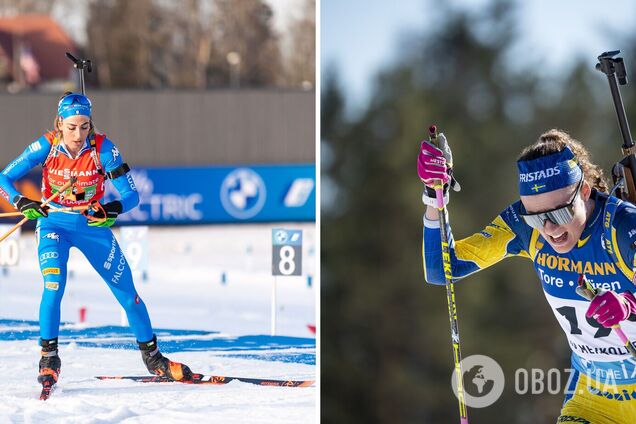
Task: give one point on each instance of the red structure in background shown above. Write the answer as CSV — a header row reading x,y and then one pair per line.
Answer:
x,y
32,51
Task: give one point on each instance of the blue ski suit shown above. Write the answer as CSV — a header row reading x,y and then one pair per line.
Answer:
x,y
60,231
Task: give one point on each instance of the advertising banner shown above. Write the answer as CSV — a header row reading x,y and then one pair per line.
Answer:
x,y
208,195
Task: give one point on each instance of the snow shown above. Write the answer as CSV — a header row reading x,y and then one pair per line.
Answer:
x,y
216,325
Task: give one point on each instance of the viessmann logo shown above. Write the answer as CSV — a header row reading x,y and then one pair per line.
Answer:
x,y
67,173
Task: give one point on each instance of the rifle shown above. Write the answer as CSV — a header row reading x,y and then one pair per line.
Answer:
x,y
80,65
624,171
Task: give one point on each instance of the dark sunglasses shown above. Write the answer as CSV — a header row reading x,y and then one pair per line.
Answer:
x,y
558,216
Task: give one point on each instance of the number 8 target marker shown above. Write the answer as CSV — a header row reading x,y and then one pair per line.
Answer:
x,y
287,260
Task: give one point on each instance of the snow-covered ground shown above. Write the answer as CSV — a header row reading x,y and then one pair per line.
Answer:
x,y
208,291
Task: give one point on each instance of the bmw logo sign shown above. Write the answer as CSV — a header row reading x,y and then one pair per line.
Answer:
x,y
243,193
281,236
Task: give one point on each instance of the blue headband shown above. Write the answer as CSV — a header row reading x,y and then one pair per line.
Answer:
x,y
74,104
548,173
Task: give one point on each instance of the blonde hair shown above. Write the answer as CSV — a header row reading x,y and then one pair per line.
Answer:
x,y
554,141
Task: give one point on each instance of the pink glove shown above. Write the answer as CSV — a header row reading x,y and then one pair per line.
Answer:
x,y
431,165
609,308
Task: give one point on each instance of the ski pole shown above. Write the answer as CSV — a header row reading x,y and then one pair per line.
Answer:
x,y
54,196
67,209
80,65
450,290
10,214
586,290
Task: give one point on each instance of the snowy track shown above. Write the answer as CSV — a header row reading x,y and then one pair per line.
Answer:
x,y
80,398
216,327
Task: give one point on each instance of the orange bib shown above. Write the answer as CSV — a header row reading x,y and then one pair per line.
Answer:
x,y
59,168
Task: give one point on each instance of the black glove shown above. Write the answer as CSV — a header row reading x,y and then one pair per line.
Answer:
x,y
112,210
30,208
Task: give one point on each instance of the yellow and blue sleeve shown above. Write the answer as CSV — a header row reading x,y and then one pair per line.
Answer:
x,y
505,236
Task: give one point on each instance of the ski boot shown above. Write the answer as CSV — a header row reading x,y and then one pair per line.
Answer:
x,y
50,364
158,364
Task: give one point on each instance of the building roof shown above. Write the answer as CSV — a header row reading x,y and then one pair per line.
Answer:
x,y
46,40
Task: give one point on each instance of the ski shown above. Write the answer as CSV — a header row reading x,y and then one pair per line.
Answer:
x,y
213,379
47,379
47,389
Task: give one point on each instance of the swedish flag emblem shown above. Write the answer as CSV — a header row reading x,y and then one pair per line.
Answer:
x,y
537,187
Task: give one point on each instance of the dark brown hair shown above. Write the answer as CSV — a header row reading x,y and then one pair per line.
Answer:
x,y
554,141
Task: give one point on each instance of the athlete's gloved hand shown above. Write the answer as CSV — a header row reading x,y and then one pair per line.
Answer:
x,y
609,308
434,164
111,210
31,208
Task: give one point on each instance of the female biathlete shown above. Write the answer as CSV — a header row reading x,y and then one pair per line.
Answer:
x,y
567,224
74,149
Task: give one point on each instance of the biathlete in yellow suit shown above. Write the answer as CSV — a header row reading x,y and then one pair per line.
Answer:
x,y
568,226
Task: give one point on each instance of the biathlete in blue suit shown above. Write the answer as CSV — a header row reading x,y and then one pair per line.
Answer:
x,y
74,149
568,226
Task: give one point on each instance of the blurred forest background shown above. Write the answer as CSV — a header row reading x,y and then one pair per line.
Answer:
x,y
183,44
386,351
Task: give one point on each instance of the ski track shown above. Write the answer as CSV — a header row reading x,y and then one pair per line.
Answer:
x,y
229,313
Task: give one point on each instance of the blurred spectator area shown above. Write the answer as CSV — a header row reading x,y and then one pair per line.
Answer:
x,y
187,87
32,51
184,127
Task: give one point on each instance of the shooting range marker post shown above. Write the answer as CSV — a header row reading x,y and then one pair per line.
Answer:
x,y
287,260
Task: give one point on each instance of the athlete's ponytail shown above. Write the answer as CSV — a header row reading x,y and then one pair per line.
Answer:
x,y
554,141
